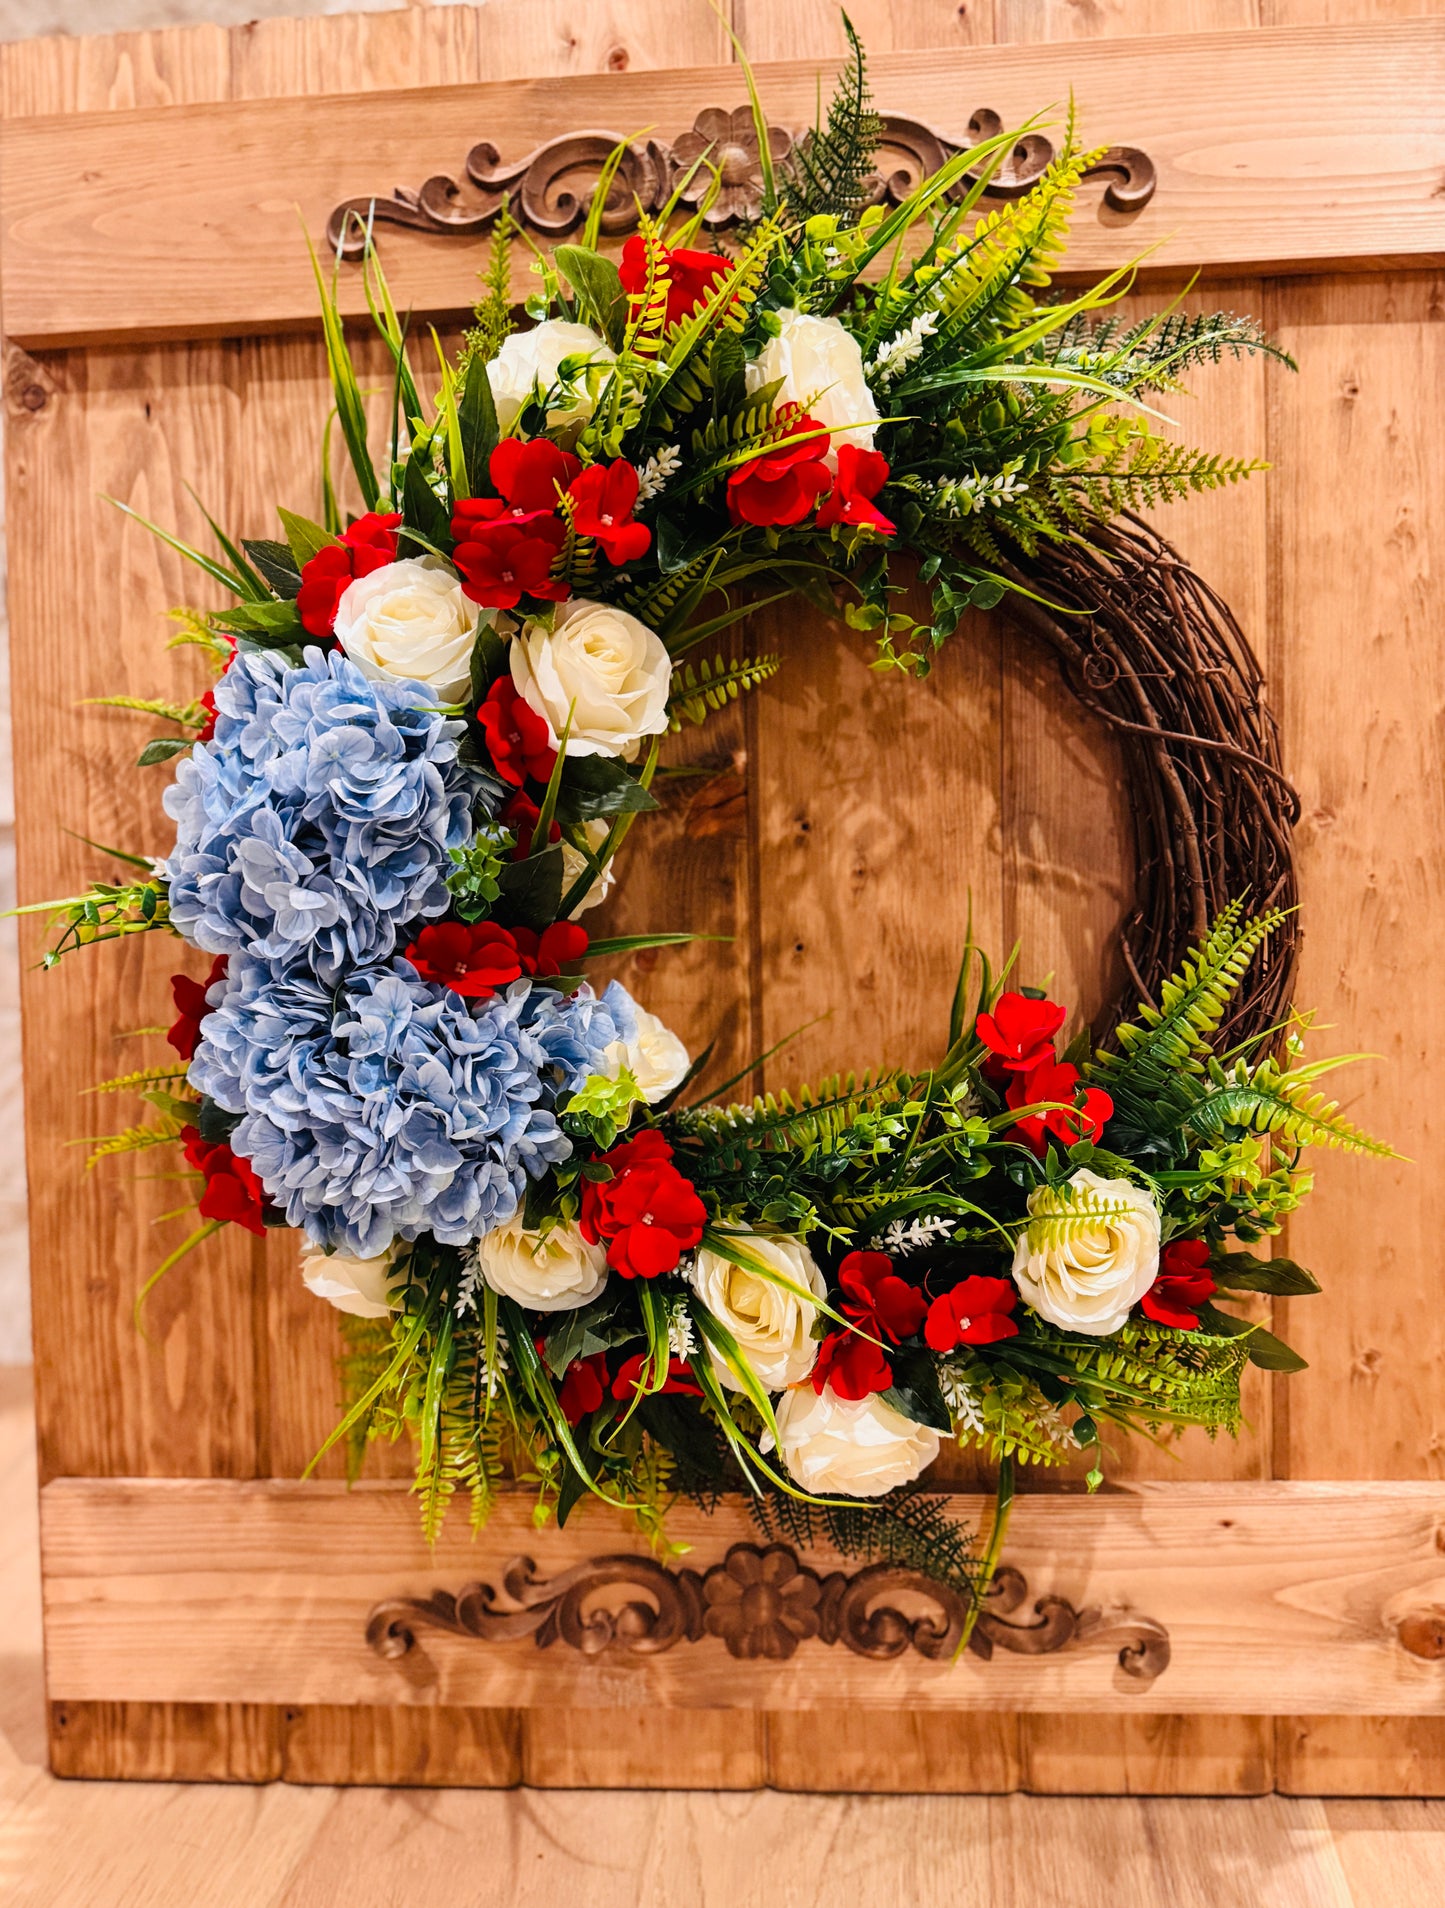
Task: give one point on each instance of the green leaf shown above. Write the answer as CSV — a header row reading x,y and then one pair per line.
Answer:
x,y
598,286
532,889
594,785
163,748
477,420
728,369
1272,1354
275,562
421,508
350,410
631,943
267,624
1242,1272
489,662
305,538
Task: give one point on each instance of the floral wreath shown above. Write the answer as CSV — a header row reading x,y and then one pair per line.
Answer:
x,y
434,726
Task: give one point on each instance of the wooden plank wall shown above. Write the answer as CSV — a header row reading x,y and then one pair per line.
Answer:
x,y
800,847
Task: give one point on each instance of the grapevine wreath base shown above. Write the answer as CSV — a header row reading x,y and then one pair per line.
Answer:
x,y
435,723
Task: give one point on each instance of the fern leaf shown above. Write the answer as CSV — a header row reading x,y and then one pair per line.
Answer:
x,y
704,687
830,165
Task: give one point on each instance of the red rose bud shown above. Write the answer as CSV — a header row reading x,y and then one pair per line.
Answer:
x,y
1020,1031
976,1312
502,560
679,1378
691,276
233,1192
854,1366
516,736
1183,1285
191,1008
364,546
530,476
781,485
583,1387
648,1214
876,1299
1074,1120
861,474
603,502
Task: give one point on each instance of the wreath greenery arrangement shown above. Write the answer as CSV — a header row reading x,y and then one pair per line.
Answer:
x,y
436,723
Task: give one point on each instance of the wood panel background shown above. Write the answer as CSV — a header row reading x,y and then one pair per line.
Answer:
x,y
799,848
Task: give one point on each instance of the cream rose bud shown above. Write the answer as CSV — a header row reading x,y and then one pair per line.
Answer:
x,y
773,1327
654,1056
858,1449
551,1271
610,670
410,620
1089,1252
359,1286
529,361
821,366
574,865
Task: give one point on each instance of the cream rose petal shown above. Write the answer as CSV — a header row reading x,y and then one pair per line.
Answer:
x,y
555,1270
409,621
603,665
772,1325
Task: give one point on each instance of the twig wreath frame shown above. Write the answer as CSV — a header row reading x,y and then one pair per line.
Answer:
x,y
434,725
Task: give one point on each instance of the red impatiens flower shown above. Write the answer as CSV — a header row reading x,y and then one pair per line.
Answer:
x,y
679,1378
861,475
1019,1033
1074,1120
782,484
603,502
647,1212
853,1365
233,1192
1183,1285
501,559
366,545
208,703
191,1009
558,946
583,1387
975,1312
516,735
530,475
691,276
521,814
472,959
877,1299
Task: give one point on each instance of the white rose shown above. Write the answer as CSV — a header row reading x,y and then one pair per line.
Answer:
x,y
861,1449
773,1327
656,1059
574,865
359,1286
551,1271
528,361
410,620
1089,1253
822,369
609,669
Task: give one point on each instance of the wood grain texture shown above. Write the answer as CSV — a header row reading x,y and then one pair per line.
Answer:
x,y
1278,1597
922,1752
624,1748
167,1742
403,1748
1147,1755
134,224
1360,1755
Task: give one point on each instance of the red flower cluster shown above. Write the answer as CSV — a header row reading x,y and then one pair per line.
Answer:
x,y
878,1303
679,1378
783,483
647,1212
1183,1285
233,1192
191,1009
691,276
521,814
1019,1035
475,959
976,1312
506,545
366,545
517,737
585,1383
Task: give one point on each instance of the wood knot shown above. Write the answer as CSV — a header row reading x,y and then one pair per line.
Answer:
x,y
34,397
1423,1635
618,60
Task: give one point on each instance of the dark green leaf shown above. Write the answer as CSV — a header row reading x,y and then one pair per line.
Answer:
x,y
1223,1324
489,661
594,785
1272,1354
915,1392
421,508
163,748
264,623
275,562
531,890
477,417
214,1123
598,286
570,1493
1242,1272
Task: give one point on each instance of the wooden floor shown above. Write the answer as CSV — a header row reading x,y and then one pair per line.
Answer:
x,y
133,1845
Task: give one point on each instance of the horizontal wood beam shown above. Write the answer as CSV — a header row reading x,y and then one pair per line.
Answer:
x,y
1276,1599
1282,150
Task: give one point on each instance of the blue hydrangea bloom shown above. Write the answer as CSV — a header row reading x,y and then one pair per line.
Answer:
x,y
389,1106
316,825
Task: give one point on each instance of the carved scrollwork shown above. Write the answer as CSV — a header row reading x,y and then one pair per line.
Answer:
x,y
760,1601
550,189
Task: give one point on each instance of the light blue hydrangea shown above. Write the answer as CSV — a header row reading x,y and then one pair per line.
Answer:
x,y
316,824
390,1107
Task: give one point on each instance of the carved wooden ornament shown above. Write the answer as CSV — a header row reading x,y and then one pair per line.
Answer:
x,y
550,190
760,1602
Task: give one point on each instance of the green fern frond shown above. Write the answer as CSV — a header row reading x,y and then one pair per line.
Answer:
x,y
828,167
1152,470
142,1077
908,1527
195,631
1291,1110
188,715
134,1139
703,687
